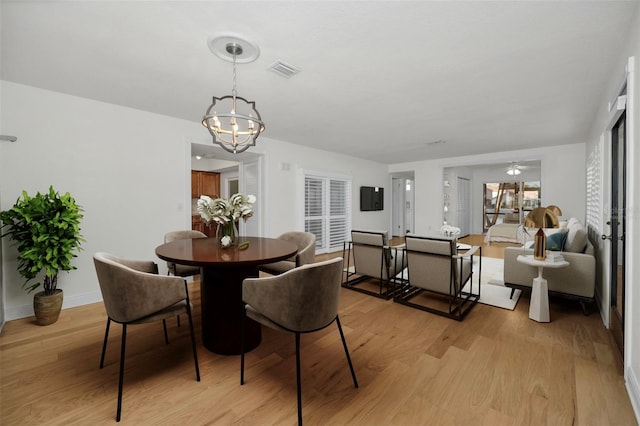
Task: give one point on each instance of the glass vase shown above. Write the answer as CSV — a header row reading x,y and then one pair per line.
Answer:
x,y
227,234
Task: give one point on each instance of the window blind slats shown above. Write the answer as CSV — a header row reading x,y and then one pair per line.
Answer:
x,y
327,211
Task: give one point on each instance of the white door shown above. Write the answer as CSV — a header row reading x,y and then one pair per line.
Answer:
x,y
409,202
397,213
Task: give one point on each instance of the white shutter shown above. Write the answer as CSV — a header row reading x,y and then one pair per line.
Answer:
x,y
327,211
340,200
314,208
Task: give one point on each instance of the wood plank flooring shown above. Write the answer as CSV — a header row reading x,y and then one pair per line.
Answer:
x,y
497,367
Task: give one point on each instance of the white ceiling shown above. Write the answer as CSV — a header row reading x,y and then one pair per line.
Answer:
x,y
380,80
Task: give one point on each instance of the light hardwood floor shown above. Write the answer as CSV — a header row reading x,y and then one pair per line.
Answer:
x,y
497,367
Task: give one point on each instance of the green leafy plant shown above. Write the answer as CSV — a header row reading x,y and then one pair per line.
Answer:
x,y
46,229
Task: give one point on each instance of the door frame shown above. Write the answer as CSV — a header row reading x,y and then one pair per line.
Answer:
x,y
617,225
631,189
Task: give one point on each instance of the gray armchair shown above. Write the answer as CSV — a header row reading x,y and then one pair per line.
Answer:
x,y
182,270
134,293
302,300
373,257
306,243
434,267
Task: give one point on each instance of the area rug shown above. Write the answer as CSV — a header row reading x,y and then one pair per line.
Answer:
x,y
492,289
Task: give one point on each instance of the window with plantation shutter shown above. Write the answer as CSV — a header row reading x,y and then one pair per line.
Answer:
x,y
327,211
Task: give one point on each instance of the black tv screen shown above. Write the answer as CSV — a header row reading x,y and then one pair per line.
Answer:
x,y
371,198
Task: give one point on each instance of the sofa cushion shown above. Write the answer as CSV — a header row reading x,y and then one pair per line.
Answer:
x,y
572,221
576,239
556,241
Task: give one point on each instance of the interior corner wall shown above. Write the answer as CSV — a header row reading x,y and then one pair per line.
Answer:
x,y
125,167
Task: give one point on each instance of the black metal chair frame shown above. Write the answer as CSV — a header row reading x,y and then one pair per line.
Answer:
x,y
388,287
460,302
297,338
123,345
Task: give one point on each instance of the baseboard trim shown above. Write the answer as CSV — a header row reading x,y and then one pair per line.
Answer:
x,y
633,389
25,311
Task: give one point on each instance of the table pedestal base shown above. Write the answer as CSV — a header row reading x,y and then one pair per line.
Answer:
x,y
222,310
539,305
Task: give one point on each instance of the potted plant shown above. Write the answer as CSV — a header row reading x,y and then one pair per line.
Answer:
x,y
46,229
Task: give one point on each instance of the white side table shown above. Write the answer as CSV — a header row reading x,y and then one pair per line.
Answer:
x,y
539,306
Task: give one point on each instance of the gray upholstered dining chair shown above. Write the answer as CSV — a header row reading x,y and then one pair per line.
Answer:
x,y
183,270
434,267
306,243
302,300
134,293
373,257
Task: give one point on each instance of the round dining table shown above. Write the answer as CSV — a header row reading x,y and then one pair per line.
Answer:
x,y
222,271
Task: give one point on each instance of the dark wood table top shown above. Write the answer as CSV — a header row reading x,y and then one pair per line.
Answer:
x,y
207,252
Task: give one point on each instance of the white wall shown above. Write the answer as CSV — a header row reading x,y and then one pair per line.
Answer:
x,y
211,164
125,167
285,191
562,178
129,170
599,142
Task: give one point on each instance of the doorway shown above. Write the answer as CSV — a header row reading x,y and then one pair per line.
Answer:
x,y
617,229
232,186
402,211
464,206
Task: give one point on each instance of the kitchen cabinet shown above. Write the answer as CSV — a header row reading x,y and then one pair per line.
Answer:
x,y
197,224
205,183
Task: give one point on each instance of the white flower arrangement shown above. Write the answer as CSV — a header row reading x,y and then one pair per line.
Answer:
x,y
226,241
449,230
224,211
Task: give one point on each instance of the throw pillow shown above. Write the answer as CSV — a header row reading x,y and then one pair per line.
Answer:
x,y
576,239
555,242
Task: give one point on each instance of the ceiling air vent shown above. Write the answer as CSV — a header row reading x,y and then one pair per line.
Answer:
x,y
285,70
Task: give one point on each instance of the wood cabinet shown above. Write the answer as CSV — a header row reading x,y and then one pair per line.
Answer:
x,y
198,225
205,183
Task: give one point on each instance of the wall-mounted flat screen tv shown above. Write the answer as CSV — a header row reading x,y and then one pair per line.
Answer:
x,y
371,198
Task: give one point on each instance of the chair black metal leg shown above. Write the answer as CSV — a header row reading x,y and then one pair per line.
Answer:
x,y
298,381
346,351
121,377
193,340
244,318
178,320
104,344
166,336
513,290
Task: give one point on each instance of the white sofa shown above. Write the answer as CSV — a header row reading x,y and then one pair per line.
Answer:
x,y
574,281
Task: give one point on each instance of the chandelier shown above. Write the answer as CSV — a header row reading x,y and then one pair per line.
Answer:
x,y
233,121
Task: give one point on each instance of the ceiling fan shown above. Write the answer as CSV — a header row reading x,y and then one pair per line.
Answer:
x,y
515,169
